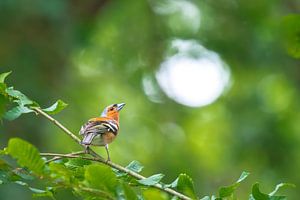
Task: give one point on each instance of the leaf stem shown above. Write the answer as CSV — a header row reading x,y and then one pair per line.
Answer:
x,y
96,157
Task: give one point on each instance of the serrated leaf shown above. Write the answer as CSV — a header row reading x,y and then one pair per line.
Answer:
x,y
100,177
135,166
56,107
229,190
18,96
16,112
26,154
185,185
152,180
3,76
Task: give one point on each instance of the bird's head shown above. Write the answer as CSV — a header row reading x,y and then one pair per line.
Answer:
x,y
112,111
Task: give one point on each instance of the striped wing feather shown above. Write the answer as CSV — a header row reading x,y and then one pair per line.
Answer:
x,y
93,128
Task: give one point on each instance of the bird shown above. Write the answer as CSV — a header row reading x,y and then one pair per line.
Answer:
x,y
100,131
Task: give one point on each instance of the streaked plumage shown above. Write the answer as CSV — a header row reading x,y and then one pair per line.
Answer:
x,y
101,131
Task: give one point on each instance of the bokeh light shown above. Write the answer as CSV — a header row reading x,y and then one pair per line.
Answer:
x,y
194,76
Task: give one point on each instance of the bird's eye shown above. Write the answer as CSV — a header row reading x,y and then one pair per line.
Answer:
x,y
111,109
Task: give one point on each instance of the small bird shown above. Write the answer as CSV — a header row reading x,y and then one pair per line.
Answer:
x,y
100,131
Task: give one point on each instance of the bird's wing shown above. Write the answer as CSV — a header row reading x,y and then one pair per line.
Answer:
x,y
96,126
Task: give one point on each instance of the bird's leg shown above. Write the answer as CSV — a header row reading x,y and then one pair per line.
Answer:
x,y
106,148
87,149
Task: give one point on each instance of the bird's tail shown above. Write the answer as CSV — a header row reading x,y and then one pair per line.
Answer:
x,y
88,138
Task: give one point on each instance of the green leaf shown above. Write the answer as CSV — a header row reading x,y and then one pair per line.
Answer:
x,y
3,151
152,180
3,103
18,96
129,192
56,107
24,174
186,185
154,194
3,76
279,186
16,112
26,154
6,173
36,192
258,195
61,173
135,166
100,177
173,184
77,162
229,190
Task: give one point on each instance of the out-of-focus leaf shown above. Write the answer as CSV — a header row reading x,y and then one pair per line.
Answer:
x,y
185,185
6,174
3,76
229,190
128,192
3,103
152,180
16,112
24,174
36,192
206,198
56,107
151,193
26,154
61,173
2,151
279,186
100,177
135,166
18,96
291,34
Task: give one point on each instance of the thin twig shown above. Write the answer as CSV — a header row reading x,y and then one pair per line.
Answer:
x,y
96,157
57,157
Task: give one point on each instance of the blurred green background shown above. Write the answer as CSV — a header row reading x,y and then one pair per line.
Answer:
x,y
211,87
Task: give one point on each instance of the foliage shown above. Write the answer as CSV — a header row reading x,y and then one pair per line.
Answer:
x,y
92,180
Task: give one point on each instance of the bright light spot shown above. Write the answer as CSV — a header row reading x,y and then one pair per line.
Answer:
x,y
194,76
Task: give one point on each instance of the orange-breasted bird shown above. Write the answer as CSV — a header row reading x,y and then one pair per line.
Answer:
x,y
100,131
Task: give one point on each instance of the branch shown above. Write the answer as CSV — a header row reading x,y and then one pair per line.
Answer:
x,y
64,129
96,157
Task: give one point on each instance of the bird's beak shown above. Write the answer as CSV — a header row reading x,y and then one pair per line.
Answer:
x,y
120,106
